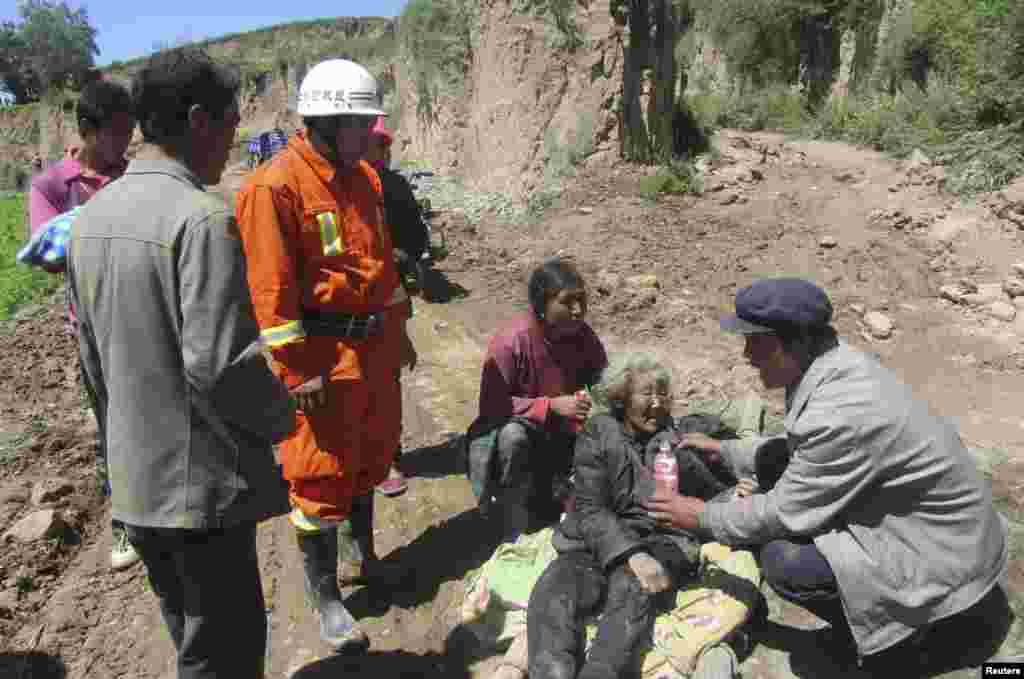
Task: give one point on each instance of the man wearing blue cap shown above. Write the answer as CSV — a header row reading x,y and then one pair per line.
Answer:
x,y
878,521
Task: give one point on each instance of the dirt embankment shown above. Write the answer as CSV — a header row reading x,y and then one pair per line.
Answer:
x,y
523,97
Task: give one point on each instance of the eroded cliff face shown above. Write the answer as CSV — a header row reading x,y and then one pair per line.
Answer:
x,y
524,96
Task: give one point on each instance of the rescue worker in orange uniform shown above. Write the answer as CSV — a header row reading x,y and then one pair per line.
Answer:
x,y
333,312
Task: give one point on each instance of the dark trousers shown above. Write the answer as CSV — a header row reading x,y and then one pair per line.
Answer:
x,y
211,598
99,412
534,458
575,586
798,573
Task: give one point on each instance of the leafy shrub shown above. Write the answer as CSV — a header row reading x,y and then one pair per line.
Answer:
x,y
675,178
757,37
562,158
776,107
562,16
438,36
895,123
984,160
1000,63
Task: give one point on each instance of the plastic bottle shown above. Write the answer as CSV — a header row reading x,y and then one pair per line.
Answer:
x,y
666,469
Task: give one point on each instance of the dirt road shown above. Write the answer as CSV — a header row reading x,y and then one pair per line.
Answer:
x,y
879,236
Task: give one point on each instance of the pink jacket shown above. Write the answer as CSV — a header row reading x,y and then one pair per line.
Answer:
x,y
59,188
56,190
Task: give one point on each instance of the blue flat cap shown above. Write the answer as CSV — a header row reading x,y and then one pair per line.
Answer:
x,y
778,304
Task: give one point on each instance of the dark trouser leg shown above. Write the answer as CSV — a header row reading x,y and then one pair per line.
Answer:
x,y
551,471
357,547
514,463
570,588
799,573
102,470
208,584
626,620
515,449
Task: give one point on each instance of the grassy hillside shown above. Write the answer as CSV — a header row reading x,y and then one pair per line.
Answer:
x,y
368,40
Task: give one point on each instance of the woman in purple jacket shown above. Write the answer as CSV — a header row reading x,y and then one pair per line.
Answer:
x,y
106,120
532,401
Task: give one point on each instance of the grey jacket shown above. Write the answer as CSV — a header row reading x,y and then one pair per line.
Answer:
x,y
889,494
169,342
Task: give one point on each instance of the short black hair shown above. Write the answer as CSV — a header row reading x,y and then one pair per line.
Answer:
x,y
174,81
100,100
549,279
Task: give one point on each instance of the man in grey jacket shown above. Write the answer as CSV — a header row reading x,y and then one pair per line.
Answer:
x,y
879,523
169,343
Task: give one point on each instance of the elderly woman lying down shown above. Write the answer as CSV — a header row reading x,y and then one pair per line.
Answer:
x,y
613,558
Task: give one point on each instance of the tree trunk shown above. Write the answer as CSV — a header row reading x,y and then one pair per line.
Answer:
x,y
661,105
633,135
866,51
819,46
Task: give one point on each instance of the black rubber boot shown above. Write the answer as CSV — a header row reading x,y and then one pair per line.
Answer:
x,y
320,564
359,562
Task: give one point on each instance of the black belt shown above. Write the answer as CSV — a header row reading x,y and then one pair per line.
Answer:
x,y
331,324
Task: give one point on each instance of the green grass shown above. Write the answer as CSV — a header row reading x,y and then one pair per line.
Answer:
x,y
777,107
678,177
19,284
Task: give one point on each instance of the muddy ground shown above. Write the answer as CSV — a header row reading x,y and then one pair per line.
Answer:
x,y
880,236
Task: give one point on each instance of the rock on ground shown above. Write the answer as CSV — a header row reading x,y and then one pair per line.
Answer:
x,y
8,601
36,526
1004,311
1014,287
987,294
878,324
643,281
51,490
13,494
953,292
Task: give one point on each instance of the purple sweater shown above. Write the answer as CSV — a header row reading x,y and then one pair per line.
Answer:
x,y
523,370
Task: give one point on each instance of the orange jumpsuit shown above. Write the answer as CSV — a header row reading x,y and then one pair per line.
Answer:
x,y
315,240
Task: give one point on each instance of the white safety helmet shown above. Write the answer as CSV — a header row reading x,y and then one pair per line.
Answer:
x,y
338,87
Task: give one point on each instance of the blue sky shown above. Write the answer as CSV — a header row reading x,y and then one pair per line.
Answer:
x,y
130,28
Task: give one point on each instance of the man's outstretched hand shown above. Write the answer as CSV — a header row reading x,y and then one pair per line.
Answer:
x,y
675,510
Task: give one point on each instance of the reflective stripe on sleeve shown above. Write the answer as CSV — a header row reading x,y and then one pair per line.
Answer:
x,y
310,524
329,237
284,334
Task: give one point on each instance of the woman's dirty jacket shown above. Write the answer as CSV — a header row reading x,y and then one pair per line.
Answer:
x,y
612,477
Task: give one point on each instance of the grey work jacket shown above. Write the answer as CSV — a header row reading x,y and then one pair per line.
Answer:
x,y
887,491
169,342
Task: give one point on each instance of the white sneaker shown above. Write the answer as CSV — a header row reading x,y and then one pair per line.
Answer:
x,y
122,554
